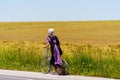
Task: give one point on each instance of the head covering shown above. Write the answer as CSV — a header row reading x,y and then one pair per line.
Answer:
x,y
51,31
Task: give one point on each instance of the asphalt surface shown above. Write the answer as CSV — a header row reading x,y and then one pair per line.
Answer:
x,y
4,77
24,75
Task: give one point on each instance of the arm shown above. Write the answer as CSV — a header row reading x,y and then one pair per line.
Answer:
x,y
47,43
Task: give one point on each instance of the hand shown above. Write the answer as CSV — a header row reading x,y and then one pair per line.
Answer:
x,y
44,47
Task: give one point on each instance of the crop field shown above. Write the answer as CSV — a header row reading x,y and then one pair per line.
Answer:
x,y
100,32
91,48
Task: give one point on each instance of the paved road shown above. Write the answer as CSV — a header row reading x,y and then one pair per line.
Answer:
x,y
4,77
24,75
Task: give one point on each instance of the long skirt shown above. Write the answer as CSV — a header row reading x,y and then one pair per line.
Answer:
x,y
56,56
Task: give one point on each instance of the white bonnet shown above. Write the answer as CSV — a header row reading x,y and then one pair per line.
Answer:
x,y
51,31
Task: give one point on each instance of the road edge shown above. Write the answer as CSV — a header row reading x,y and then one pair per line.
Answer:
x,y
48,76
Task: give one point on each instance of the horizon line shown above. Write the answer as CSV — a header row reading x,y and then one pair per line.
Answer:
x,y
63,21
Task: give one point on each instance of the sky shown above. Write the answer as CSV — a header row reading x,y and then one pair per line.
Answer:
x,y
59,10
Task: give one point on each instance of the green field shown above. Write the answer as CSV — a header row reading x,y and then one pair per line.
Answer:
x,y
91,48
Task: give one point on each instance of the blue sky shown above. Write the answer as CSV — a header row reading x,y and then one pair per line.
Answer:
x,y
59,10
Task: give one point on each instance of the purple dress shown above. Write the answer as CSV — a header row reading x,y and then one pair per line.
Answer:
x,y
55,50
